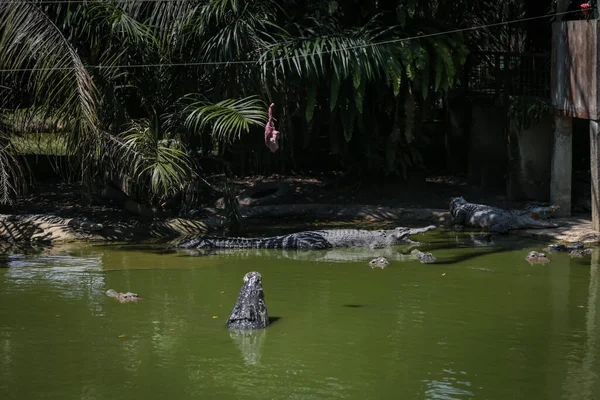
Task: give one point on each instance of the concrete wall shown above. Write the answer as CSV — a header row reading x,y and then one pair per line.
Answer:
x,y
488,156
530,175
526,173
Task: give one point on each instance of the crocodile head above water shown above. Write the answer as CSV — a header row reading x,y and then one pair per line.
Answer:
x,y
537,258
379,262
123,297
580,253
250,310
424,258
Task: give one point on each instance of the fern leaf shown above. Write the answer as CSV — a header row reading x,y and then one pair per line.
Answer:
x,y
409,113
356,77
439,69
406,57
348,118
359,96
335,91
395,78
311,99
425,77
446,56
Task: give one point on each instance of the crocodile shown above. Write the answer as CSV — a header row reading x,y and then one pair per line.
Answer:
x,y
559,247
250,310
379,262
311,240
499,220
424,258
536,257
123,297
580,253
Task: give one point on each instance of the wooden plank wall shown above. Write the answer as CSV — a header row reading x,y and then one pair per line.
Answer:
x,y
575,69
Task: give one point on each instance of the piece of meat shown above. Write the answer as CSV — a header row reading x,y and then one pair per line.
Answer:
x,y
271,134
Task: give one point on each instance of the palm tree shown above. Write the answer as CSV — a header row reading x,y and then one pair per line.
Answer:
x,y
115,116
187,77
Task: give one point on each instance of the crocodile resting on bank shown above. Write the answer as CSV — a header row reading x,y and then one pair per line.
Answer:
x,y
496,219
311,240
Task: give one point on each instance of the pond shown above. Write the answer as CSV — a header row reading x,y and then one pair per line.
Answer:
x,y
481,324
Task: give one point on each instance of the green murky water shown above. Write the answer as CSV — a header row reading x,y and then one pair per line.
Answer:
x,y
483,324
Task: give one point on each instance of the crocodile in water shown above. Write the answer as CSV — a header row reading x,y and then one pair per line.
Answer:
x,y
311,240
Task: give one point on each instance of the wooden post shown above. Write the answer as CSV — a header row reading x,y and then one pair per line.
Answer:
x,y
560,181
595,172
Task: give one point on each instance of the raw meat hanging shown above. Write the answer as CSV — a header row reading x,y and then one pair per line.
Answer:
x,y
270,132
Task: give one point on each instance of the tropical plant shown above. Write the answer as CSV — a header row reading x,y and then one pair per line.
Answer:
x,y
112,113
344,68
228,118
180,78
42,71
160,161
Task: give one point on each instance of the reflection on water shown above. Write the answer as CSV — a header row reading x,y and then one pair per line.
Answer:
x,y
442,331
70,276
582,372
477,244
250,344
450,386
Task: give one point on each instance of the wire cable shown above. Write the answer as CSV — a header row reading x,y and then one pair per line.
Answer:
x,y
248,62
42,2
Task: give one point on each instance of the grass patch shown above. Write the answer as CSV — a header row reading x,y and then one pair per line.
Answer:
x,y
32,132
50,144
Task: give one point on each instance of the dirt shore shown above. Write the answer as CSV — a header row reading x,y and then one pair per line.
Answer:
x,y
57,212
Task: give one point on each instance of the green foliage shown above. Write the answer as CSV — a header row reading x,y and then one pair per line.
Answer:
x,y
228,118
358,60
54,75
360,64
119,24
115,34
334,91
311,99
528,110
157,158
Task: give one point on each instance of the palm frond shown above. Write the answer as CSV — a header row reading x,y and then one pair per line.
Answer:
x,y
325,46
29,40
12,174
41,62
228,118
235,29
119,24
156,159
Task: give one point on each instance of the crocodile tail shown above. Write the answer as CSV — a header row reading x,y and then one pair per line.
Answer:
x,y
189,244
220,243
230,243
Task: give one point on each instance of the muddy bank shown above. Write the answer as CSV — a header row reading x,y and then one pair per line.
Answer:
x,y
53,229
57,213
48,228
